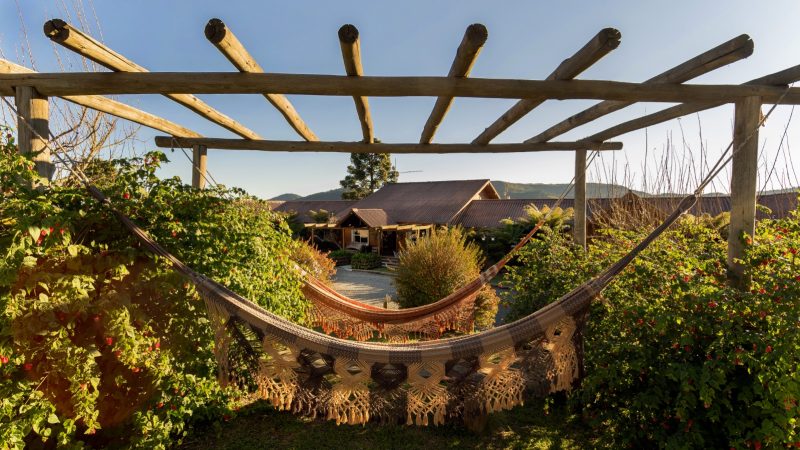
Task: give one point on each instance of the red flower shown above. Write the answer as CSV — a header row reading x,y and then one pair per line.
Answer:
x,y
109,341
158,345
687,348
126,196
28,366
712,304
768,349
757,445
174,234
3,359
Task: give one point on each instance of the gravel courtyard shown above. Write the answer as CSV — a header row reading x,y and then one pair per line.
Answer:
x,y
367,287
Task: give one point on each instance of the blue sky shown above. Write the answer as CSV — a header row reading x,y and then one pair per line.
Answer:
x,y
527,39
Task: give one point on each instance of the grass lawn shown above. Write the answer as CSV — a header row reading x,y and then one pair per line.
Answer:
x,y
260,426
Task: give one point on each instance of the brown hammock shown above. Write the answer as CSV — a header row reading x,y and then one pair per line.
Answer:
x,y
345,317
422,383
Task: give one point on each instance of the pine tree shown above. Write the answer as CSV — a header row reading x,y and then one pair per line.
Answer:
x,y
367,173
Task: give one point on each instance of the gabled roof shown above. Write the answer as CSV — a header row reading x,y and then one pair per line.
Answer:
x,y
428,202
302,208
372,218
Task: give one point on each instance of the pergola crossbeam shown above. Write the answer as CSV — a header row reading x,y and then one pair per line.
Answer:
x,y
466,55
361,147
79,42
782,78
230,46
351,56
60,84
600,45
733,50
113,107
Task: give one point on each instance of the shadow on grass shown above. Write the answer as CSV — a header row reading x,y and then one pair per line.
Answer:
x,y
261,426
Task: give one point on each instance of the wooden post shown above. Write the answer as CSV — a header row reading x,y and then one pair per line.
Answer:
x,y
579,210
33,130
199,153
743,183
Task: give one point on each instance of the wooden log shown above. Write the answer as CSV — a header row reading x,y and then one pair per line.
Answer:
x,y
466,55
600,45
226,42
744,176
81,43
199,172
579,209
361,147
33,132
351,56
60,84
781,78
113,107
733,50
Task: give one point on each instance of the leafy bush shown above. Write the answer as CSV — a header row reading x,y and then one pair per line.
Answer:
x,y
342,257
102,343
314,261
365,261
676,358
431,268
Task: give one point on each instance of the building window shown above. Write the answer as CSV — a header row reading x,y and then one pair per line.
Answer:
x,y
361,237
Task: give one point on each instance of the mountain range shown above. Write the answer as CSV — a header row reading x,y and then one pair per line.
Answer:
x,y
504,188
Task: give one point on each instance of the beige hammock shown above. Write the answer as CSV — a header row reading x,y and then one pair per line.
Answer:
x,y
423,383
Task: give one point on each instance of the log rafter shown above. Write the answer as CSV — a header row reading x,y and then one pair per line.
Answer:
x,y
113,107
351,57
781,78
229,45
728,52
467,53
81,43
600,45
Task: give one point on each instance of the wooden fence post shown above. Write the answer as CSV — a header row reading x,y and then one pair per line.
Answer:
x,y
33,130
199,153
579,209
743,183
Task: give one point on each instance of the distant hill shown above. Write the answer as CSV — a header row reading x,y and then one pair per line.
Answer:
x,y
504,188
287,197
542,190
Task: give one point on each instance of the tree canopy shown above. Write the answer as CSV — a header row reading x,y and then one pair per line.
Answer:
x,y
366,173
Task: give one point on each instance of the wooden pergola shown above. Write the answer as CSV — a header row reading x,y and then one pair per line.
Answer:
x,y
32,91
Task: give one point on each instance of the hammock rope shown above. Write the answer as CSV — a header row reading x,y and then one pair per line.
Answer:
x,y
421,383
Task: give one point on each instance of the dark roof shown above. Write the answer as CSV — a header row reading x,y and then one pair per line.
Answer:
x,y
302,207
489,213
428,202
372,218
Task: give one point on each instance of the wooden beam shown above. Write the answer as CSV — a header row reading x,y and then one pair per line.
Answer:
x,y
579,209
227,43
600,45
466,55
70,37
60,84
351,56
781,78
113,107
361,147
733,50
33,130
744,177
199,157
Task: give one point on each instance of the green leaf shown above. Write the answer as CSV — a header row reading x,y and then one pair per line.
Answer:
x,y
35,232
73,250
52,418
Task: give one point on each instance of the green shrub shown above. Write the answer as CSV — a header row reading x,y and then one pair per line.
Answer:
x,y
674,357
314,261
102,343
342,257
365,261
433,267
